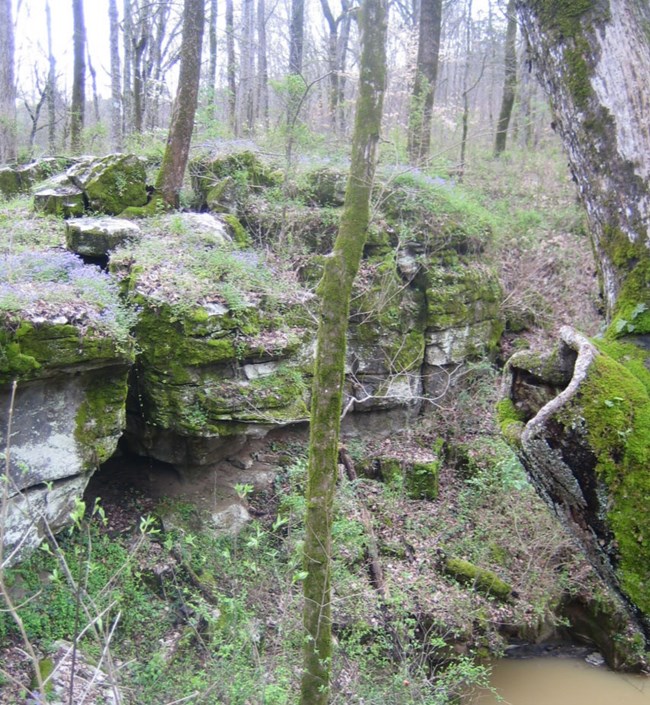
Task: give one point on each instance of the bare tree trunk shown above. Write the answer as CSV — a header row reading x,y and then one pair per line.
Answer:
x,y
139,48
509,81
296,36
127,96
212,67
466,92
426,75
51,84
341,61
7,85
172,169
245,94
335,289
116,90
231,70
262,66
594,62
78,106
93,81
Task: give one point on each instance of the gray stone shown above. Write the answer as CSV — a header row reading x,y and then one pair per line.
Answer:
x,y
454,345
95,237
60,196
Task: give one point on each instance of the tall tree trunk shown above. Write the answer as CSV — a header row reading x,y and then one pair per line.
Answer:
x,y
78,105
426,75
93,83
335,289
7,85
262,66
509,81
332,45
172,169
139,48
466,92
127,96
212,66
245,94
231,70
341,61
296,36
51,84
116,89
594,60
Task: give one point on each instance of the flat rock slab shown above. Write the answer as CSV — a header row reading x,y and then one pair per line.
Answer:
x,y
60,196
95,237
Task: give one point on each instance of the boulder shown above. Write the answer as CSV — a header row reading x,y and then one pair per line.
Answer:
x,y
111,184
579,419
19,179
96,237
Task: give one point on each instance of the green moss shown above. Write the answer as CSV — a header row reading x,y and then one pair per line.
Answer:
x,y
578,73
511,421
100,418
239,235
614,407
480,578
631,312
419,479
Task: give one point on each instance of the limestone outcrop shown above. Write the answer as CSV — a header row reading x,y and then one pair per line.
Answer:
x,y
579,418
102,185
65,352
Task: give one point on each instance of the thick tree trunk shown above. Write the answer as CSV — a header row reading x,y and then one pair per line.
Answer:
x,y
116,87
335,288
7,85
172,170
78,105
594,60
509,81
426,75
296,36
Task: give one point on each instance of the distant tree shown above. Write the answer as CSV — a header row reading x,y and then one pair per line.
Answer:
x,y
51,83
509,80
262,65
78,104
212,65
335,289
594,61
127,94
426,76
246,92
296,46
172,170
116,83
231,69
337,47
7,85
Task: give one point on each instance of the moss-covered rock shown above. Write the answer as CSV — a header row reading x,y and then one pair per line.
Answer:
x,y
60,196
588,451
419,477
95,237
324,187
112,183
222,182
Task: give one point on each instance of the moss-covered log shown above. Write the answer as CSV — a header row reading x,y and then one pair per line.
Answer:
x,y
335,289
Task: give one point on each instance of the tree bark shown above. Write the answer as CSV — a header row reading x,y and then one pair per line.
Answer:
x,y
7,85
51,84
231,70
296,36
127,95
262,66
212,67
594,60
509,81
172,170
245,94
78,105
116,88
334,290
426,75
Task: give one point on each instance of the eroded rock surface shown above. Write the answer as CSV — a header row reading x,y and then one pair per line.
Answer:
x,y
580,420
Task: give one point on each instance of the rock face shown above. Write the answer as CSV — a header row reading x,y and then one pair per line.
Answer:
x,y
580,420
106,185
225,334
63,374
